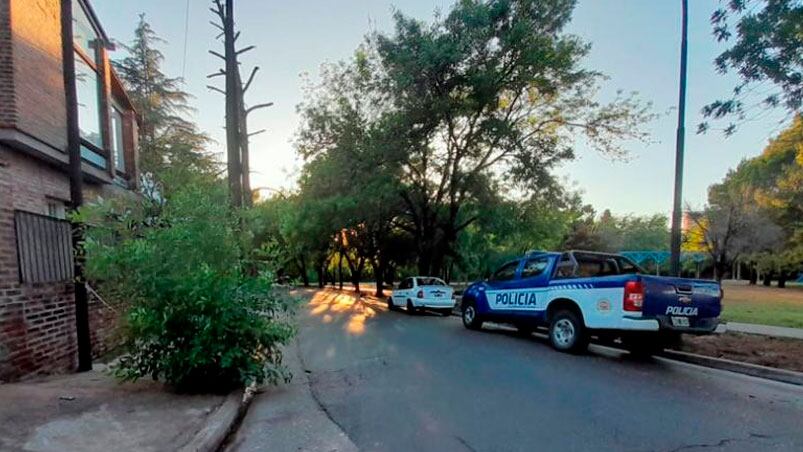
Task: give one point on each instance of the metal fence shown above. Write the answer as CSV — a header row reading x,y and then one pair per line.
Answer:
x,y
44,247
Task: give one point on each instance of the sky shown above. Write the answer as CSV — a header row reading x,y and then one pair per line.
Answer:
x,y
636,43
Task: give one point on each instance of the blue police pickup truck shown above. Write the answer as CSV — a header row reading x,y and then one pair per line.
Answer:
x,y
580,294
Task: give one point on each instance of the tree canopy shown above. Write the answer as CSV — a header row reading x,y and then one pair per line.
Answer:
x,y
766,51
434,125
166,137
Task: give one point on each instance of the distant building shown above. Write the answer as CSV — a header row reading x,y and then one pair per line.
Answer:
x,y
37,316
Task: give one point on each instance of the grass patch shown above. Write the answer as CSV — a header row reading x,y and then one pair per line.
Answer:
x,y
763,305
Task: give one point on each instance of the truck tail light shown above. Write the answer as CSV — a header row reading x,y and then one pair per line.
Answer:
x,y
634,296
420,294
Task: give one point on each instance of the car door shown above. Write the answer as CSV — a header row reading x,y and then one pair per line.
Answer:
x,y
503,279
401,293
534,276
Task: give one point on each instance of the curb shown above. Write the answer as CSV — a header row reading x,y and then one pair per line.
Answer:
x,y
221,422
755,370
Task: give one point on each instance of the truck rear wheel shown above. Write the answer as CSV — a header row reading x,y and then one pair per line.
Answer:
x,y
567,332
645,345
471,318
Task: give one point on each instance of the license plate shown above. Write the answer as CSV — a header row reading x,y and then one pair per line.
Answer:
x,y
680,321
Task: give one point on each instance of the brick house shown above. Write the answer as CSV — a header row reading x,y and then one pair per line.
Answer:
x,y
37,311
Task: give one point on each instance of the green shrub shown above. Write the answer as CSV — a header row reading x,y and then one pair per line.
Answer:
x,y
196,319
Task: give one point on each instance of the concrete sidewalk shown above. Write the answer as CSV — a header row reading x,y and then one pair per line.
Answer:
x,y
288,417
765,330
92,412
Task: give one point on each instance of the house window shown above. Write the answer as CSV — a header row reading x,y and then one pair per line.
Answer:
x,y
118,146
56,209
88,86
86,80
84,34
88,91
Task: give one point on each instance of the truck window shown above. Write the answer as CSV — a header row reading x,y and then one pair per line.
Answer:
x,y
590,265
534,267
565,267
430,282
626,266
505,272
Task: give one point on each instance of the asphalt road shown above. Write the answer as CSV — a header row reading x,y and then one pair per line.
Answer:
x,y
394,382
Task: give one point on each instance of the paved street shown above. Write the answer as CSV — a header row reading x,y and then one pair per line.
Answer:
x,y
394,382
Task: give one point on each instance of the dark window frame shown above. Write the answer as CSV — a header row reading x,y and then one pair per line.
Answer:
x,y
545,259
513,264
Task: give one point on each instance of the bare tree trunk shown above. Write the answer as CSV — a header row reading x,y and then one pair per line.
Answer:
x,y
782,279
232,109
379,276
767,279
340,269
248,197
302,267
321,270
753,274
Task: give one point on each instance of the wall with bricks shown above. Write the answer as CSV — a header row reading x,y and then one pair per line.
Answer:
x,y
8,109
38,80
37,321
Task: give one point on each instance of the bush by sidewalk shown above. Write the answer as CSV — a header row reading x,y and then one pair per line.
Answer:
x,y
197,319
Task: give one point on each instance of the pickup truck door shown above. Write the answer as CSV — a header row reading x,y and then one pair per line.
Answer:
x,y
506,277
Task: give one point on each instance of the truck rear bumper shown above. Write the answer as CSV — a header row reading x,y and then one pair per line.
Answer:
x,y
434,303
696,326
635,324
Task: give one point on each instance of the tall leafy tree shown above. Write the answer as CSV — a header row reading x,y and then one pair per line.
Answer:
x,y
772,183
348,142
766,51
493,88
167,136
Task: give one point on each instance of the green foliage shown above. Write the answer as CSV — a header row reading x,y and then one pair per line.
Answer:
x,y
767,190
426,127
196,320
613,234
167,138
767,49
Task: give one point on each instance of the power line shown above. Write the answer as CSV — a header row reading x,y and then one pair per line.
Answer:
x,y
186,33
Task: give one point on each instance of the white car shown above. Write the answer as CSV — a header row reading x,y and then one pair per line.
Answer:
x,y
422,292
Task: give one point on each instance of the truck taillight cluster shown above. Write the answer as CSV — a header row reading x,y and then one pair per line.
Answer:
x,y
634,296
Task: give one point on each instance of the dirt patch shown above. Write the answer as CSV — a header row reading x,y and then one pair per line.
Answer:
x,y
781,353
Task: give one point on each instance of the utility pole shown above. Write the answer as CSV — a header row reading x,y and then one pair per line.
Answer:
x,y
677,213
237,134
76,188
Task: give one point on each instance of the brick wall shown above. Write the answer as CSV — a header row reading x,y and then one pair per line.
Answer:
x,y
37,322
37,67
37,331
8,109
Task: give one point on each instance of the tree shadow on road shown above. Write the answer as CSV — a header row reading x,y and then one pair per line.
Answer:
x,y
348,307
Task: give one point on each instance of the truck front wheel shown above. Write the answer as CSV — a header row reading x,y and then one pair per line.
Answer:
x,y
567,332
471,319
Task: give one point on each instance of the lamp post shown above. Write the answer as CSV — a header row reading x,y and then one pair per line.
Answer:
x,y
680,145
